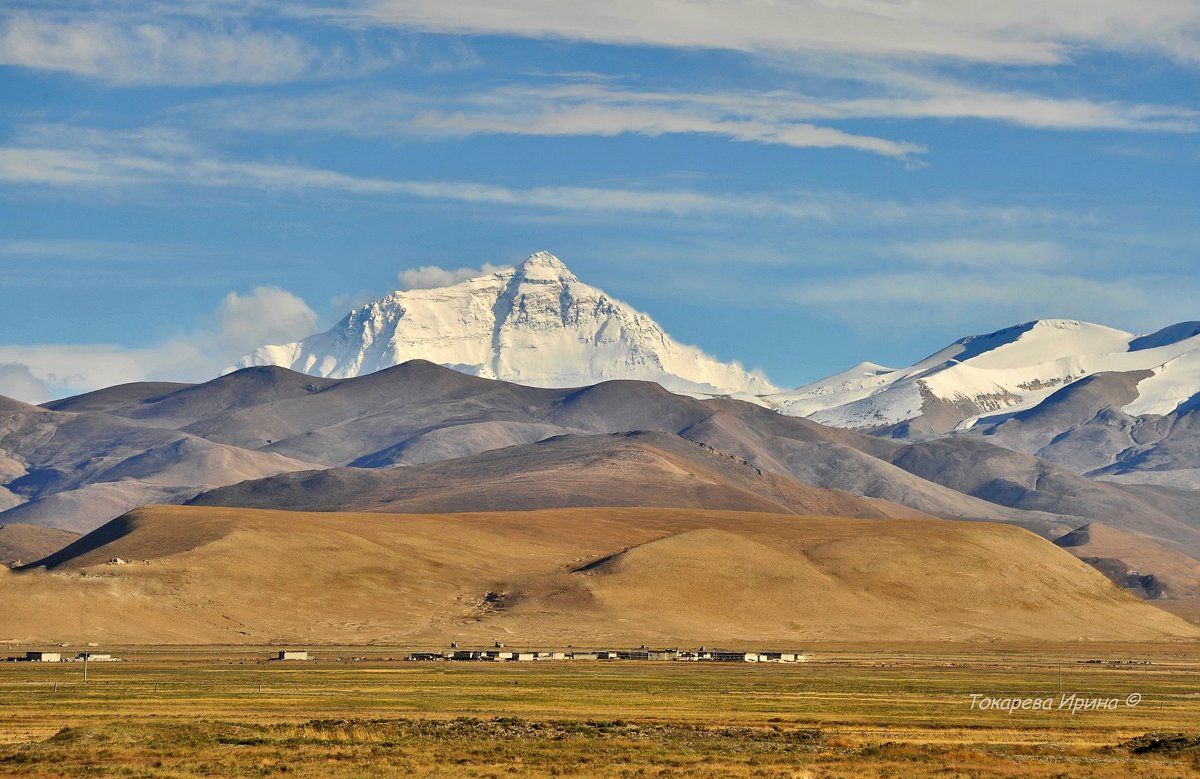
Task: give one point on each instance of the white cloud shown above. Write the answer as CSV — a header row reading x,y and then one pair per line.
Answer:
x,y
131,50
431,276
928,98
554,118
239,324
783,118
18,382
579,110
268,315
1015,31
129,159
66,368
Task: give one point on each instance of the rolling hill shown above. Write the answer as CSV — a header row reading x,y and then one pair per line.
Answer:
x,y
579,576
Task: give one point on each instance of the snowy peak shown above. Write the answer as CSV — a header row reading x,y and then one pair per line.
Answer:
x,y
1038,341
536,324
1003,372
544,266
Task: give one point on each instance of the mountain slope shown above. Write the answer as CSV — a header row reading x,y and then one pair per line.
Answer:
x,y
26,543
1087,427
627,469
1008,478
583,577
75,471
537,325
1135,559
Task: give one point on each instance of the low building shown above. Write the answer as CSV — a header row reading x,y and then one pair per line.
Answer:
x,y
43,657
781,657
292,654
425,657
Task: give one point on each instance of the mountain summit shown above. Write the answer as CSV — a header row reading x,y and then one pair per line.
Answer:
x,y
536,324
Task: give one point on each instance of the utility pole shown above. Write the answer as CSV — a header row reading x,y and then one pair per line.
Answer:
x,y
86,655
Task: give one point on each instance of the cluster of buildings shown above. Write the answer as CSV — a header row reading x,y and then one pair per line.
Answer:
x,y
57,657
700,655
501,655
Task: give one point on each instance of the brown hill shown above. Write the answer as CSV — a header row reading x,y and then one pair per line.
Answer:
x,y
1171,576
628,469
30,542
579,576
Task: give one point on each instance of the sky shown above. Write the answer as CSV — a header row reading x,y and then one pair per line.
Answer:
x,y
796,185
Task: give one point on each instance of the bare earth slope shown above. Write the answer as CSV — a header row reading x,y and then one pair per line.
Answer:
x,y
1021,481
581,576
624,469
77,470
1173,576
30,542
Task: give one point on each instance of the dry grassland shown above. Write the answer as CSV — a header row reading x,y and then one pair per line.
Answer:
x,y
848,713
201,575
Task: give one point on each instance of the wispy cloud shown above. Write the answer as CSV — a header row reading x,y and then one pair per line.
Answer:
x,y
1018,31
73,158
578,109
130,159
130,46
78,250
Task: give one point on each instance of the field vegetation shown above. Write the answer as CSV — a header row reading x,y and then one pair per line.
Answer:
x,y
364,712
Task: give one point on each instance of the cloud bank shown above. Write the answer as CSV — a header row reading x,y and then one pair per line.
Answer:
x,y
35,373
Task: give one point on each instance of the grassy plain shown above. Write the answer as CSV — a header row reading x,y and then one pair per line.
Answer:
x,y
849,712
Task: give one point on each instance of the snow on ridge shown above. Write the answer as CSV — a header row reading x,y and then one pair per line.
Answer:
x,y
1174,383
1004,371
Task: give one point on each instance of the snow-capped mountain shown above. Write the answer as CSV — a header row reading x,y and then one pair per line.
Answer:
x,y
1004,372
536,324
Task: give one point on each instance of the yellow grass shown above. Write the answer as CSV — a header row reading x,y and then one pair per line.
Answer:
x,y
850,712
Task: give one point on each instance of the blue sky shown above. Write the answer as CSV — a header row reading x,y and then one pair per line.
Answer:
x,y
796,185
